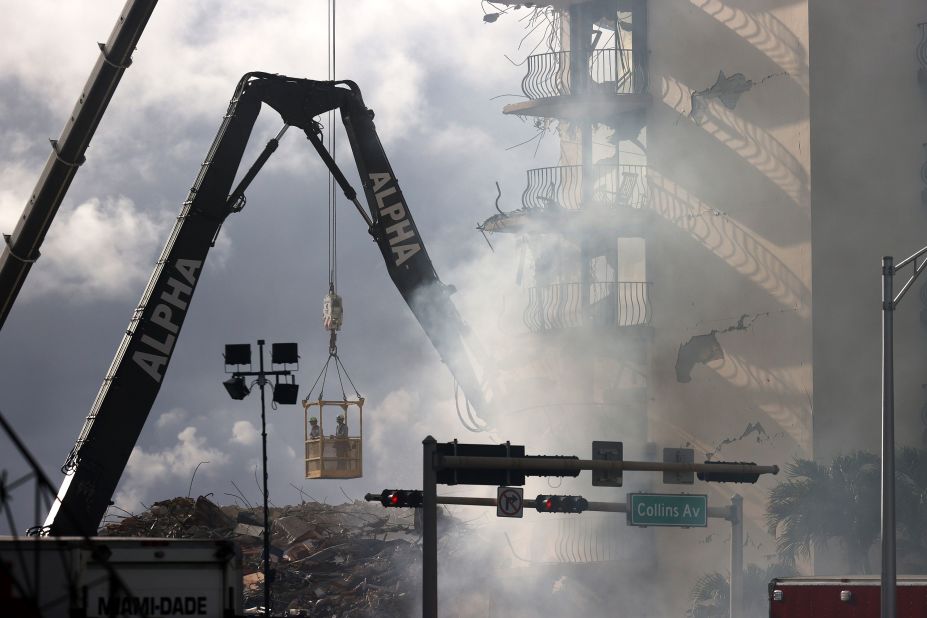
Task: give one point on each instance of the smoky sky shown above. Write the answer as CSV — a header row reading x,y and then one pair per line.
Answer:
x,y
268,272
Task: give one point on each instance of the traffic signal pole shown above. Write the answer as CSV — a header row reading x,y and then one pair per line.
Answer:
x,y
733,513
571,465
429,529
736,517
715,512
433,462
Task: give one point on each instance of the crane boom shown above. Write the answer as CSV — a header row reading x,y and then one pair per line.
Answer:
x,y
21,249
118,414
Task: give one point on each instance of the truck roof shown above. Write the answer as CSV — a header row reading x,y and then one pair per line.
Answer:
x,y
847,580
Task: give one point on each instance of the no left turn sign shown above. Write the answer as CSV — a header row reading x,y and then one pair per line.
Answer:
x,y
509,501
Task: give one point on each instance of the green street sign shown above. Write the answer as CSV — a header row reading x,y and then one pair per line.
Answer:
x,y
680,510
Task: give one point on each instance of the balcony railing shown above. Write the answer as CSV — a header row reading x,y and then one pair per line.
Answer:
x,y
608,304
610,185
609,70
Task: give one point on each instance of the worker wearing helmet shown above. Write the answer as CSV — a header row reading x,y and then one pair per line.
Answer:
x,y
342,448
342,430
314,432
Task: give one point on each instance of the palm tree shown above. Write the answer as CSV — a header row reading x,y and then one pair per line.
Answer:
x,y
711,592
911,509
710,597
820,503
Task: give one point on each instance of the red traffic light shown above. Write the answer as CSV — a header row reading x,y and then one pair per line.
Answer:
x,y
399,498
560,504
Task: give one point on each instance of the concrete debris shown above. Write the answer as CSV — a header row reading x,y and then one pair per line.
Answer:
x,y
178,518
249,530
355,559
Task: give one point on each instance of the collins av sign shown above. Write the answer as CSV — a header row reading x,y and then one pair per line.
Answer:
x,y
683,510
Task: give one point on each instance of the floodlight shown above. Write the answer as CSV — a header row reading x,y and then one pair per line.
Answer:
x,y
237,354
236,387
286,394
283,353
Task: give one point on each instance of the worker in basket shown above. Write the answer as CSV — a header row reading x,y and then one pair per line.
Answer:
x,y
342,447
314,432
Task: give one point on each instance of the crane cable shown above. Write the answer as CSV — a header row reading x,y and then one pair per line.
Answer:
x,y
332,185
332,193
332,307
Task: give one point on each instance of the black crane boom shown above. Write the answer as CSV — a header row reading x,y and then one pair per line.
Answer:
x,y
128,392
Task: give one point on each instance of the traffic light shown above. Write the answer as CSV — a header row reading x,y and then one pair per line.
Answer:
x,y
498,476
401,498
560,504
729,477
465,476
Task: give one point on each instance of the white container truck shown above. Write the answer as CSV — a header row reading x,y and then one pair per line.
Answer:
x,y
65,577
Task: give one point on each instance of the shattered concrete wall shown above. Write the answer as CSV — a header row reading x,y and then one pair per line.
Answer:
x,y
729,252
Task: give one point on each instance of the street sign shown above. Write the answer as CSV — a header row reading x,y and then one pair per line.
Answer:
x,y
678,455
610,451
509,501
679,510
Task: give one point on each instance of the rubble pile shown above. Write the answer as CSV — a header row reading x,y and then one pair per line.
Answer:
x,y
355,559
178,518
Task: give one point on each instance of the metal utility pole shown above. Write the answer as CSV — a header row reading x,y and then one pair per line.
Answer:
x,y
888,442
262,382
889,303
21,249
238,390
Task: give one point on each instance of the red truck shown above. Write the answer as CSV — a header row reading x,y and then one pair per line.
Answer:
x,y
844,597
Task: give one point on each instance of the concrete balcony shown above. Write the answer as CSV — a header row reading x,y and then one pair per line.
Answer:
x,y
615,201
612,83
610,186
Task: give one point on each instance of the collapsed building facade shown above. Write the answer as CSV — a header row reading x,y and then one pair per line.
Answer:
x,y
665,261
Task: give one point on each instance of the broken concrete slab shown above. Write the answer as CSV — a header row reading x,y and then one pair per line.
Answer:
x,y
249,530
699,349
